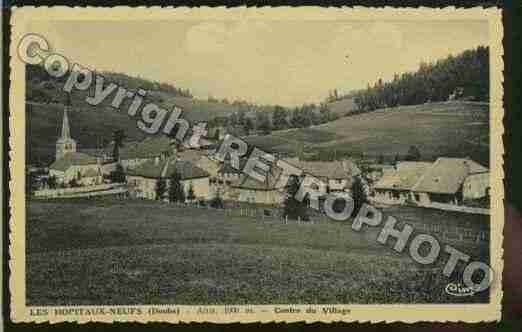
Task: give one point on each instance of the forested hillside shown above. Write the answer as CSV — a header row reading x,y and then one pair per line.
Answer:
x,y
466,76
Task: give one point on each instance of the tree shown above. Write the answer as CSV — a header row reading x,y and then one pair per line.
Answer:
x,y
51,182
397,159
232,120
380,160
294,209
279,118
216,134
358,195
325,114
467,74
73,183
413,154
298,118
265,126
176,192
217,202
160,188
190,194
249,125
30,184
118,136
118,175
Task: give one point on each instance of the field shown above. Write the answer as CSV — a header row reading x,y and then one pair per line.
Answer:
x,y
146,252
453,129
343,106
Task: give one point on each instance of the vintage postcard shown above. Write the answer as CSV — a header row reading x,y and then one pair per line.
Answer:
x,y
256,164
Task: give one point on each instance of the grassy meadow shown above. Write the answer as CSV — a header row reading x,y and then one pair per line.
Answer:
x,y
452,129
147,252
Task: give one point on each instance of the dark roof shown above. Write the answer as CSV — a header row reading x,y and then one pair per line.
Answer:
x,y
73,159
148,148
446,175
165,168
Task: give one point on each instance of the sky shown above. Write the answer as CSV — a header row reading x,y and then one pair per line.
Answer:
x,y
286,62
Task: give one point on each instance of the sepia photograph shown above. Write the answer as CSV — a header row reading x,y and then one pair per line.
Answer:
x,y
257,160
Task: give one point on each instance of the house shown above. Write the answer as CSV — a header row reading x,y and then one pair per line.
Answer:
x,y
374,172
248,189
453,181
91,177
133,154
395,186
202,159
69,163
337,175
143,179
228,174
447,180
202,143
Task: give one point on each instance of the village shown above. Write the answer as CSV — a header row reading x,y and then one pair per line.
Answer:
x,y
160,168
139,200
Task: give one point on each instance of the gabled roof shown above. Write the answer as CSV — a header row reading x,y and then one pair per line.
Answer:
x,y
326,169
446,175
165,169
248,182
404,177
148,148
193,156
226,167
73,159
202,143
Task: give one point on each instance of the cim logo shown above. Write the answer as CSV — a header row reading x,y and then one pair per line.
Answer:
x,y
457,289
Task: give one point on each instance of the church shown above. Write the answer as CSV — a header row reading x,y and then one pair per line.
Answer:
x,y
71,166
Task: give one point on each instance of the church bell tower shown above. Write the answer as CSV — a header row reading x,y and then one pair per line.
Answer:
x,y
65,144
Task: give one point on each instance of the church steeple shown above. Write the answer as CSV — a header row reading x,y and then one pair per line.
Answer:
x,y
66,131
65,143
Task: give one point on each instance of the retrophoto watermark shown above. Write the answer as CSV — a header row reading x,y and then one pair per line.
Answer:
x,y
324,181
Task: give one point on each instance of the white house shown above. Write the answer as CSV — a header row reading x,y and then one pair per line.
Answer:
x,y
395,186
248,189
143,179
447,180
337,175
453,181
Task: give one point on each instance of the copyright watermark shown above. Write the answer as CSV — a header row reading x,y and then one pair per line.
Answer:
x,y
424,249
